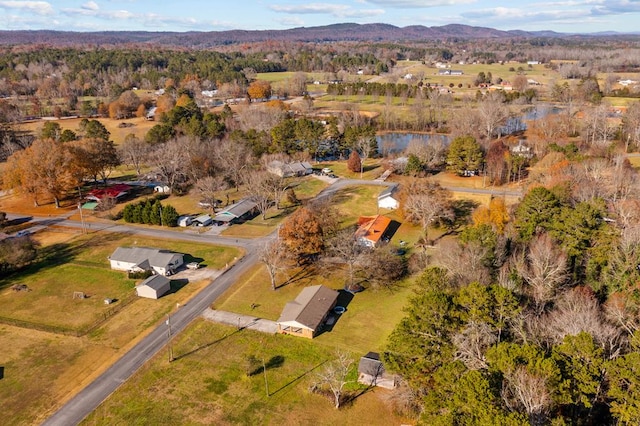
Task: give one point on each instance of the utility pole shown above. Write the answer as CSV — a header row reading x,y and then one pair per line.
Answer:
x,y
266,383
169,337
84,228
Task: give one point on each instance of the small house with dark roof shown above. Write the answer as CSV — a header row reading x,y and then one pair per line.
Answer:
x,y
289,169
237,211
305,315
137,259
371,372
372,230
154,287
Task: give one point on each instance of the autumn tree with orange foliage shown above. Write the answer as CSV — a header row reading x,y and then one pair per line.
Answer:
x,y
259,89
164,104
495,214
41,170
302,235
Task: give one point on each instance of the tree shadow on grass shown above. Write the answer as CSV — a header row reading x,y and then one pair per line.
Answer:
x,y
305,272
349,397
286,385
368,168
206,345
275,362
47,257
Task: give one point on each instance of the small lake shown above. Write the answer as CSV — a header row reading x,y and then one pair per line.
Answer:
x,y
396,142
390,143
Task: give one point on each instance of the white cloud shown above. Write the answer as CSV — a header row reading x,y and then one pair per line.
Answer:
x,y
519,17
38,7
291,21
91,5
418,4
336,10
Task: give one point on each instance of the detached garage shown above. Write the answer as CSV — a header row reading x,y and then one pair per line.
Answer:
x,y
154,287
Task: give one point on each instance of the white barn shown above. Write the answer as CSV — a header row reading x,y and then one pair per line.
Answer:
x,y
153,287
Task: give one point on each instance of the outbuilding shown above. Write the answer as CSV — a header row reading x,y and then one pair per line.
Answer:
x,y
387,199
184,221
203,220
371,372
154,287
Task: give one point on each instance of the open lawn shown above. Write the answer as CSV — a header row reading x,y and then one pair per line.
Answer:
x,y
140,127
74,262
208,384
371,169
355,201
80,264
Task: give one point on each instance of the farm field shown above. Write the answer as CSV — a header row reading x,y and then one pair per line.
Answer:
x,y
140,127
80,337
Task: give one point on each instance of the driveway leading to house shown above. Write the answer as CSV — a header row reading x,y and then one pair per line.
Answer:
x,y
241,321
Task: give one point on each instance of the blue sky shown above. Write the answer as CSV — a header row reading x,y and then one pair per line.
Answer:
x,y
217,15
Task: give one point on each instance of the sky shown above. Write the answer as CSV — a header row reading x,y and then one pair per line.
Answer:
x,y
567,16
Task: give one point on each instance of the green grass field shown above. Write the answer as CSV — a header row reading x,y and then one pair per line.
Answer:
x,y
208,384
81,265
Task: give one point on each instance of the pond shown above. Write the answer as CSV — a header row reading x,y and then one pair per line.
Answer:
x,y
391,143
396,142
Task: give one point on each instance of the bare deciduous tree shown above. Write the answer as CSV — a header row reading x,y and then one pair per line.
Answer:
x,y
235,159
492,113
169,160
596,130
432,154
523,390
273,254
334,376
631,125
544,269
345,248
208,187
133,152
260,190
464,263
425,203
579,311
472,343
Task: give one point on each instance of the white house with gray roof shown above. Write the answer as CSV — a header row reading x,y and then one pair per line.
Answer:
x,y
137,259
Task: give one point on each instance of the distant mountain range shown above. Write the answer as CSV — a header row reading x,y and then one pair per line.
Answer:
x,y
329,33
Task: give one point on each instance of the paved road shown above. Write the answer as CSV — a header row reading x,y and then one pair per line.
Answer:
x,y
90,397
341,183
